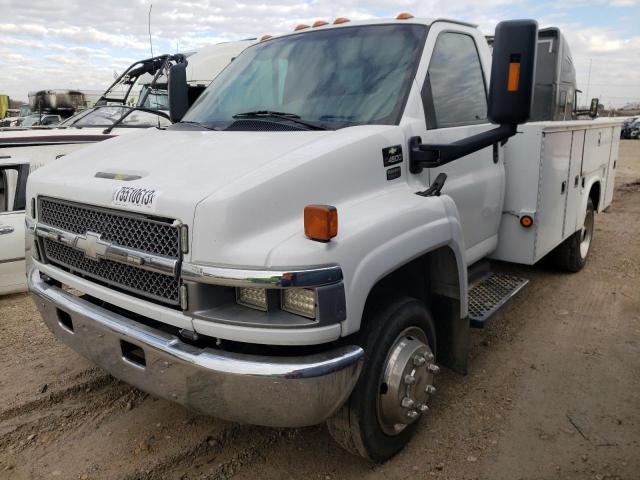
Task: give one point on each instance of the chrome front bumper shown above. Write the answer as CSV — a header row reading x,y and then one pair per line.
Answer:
x,y
260,390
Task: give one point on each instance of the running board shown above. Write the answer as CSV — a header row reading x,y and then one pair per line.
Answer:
x,y
490,294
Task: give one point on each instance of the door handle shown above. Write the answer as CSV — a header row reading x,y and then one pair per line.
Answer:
x,y
6,229
563,188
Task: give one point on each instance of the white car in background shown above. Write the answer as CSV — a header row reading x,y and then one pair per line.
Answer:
x,y
121,110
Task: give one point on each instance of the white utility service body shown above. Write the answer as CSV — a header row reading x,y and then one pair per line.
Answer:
x,y
569,159
37,147
172,312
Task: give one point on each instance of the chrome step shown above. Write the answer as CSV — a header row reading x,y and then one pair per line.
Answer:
x,y
490,294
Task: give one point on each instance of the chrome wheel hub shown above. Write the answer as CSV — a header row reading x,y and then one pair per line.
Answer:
x,y
587,234
407,381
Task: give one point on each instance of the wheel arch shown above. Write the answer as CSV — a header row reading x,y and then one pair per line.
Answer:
x,y
595,194
437,277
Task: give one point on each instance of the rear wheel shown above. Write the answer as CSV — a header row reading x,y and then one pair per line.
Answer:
x,y
393,390
573,252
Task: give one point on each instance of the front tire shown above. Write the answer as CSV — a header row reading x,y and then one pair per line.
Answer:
x,y
573,252
381,415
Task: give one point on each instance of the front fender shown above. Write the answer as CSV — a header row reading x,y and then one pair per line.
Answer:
x,y
377,235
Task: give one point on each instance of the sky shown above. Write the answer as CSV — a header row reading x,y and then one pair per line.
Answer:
x,y
82,44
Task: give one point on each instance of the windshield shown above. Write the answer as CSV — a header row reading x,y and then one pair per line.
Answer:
x,y
157,99
335,77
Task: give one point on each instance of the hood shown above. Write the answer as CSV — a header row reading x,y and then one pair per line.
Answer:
x,y
224,185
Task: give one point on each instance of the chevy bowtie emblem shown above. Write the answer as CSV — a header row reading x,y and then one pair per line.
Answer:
x,y
92,246
393,151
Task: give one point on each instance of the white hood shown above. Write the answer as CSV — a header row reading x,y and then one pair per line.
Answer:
x,y
225,185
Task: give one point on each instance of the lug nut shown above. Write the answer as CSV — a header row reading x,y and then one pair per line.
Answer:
x,y
412,414
418,361
409,379
430,389
423,408
433,368
428,356
407,402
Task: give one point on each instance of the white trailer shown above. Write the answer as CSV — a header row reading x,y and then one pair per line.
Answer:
x,y
310,241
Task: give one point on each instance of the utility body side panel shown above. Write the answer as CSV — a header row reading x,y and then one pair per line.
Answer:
x,y
551,167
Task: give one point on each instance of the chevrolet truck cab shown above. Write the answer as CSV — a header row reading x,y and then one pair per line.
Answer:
x,y
309,241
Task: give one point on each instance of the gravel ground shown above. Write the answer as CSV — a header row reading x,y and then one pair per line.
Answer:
x,y
553,392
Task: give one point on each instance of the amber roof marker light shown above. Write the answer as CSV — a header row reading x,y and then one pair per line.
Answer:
x,y
319,23
320,222
404,16
300,26
340,20
265,37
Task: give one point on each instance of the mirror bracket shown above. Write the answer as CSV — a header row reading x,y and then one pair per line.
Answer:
x,y
435,155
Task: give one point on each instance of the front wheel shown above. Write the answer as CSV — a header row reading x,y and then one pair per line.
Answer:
x,y
573,252
393,390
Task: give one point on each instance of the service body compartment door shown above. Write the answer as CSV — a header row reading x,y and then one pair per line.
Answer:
x,y
553,186
574,185
611,170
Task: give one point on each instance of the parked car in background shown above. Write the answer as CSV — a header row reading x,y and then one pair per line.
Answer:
x,y
631,129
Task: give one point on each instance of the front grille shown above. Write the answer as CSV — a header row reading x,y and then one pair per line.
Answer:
x,y
124,228
156,286
149,234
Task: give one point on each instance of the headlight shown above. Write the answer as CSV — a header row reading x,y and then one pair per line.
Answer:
x,y
301,301
252,297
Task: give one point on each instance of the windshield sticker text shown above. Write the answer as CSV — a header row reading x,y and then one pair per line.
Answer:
x,y
134,197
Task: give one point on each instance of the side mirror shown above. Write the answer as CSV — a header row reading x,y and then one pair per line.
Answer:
x,y
593,108
513,72
178,92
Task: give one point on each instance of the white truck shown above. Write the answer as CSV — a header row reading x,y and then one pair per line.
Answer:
x,y
313,235
138,99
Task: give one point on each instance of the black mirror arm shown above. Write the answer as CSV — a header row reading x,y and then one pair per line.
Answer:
x,y
435,155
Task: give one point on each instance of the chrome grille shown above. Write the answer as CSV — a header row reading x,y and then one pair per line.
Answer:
x,y
156,286
125,229
137,231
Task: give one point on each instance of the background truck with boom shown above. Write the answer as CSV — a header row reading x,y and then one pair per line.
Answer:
x,y
309,241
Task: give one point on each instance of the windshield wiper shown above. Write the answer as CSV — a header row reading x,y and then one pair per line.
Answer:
x,y
292,117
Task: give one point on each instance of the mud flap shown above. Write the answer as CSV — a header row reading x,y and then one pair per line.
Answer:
x,y
454,334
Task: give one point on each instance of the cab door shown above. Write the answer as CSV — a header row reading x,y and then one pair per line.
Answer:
x,y
454,97
13,180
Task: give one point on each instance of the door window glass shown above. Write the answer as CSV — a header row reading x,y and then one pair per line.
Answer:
x,y
457,84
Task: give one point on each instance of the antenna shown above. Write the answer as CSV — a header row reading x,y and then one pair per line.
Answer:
x,y
150,42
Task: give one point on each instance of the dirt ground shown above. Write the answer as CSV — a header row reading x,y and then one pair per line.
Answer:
x,y
553,392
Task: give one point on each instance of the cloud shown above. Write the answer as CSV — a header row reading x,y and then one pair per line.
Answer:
x,y
74,43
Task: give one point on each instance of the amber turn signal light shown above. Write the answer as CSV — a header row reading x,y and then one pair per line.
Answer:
x,y
526,221
320,222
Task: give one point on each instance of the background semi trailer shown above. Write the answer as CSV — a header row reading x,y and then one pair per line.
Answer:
x,y
310,241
